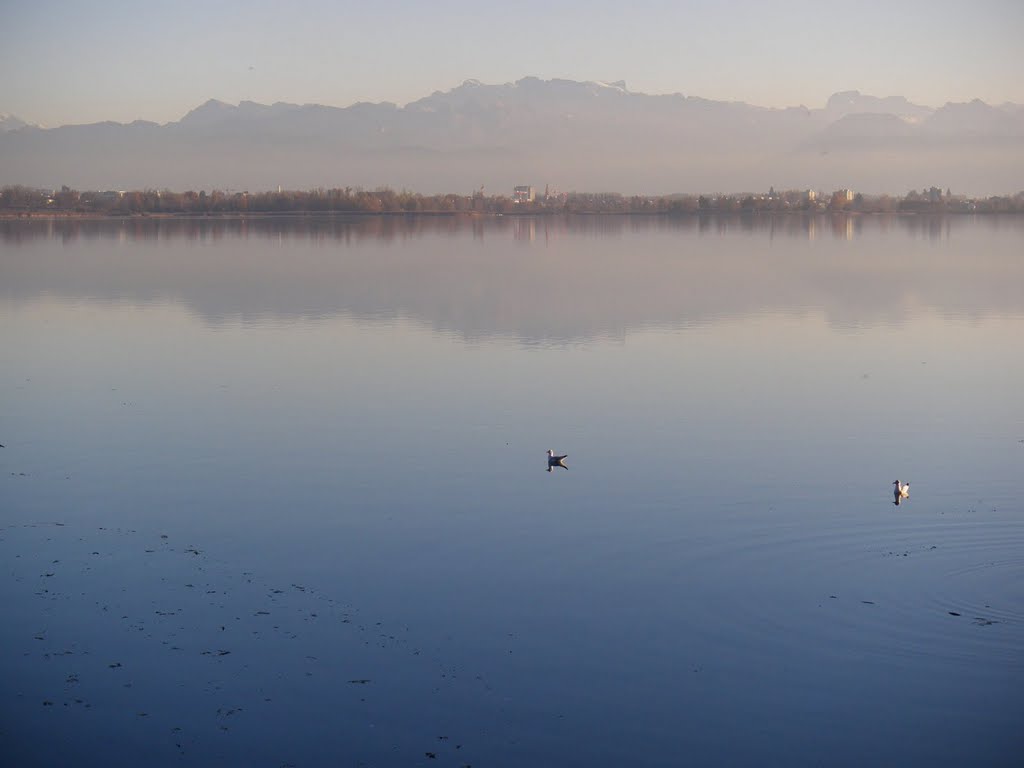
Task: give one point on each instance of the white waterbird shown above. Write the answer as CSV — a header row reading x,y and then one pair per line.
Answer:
x,y
900,491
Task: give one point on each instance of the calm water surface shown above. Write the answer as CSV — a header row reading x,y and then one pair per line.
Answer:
x,y
273,492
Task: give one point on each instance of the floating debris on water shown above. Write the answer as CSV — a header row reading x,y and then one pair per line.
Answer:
x,y
113,600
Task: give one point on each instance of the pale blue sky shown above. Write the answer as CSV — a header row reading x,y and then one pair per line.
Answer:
x,y
72,61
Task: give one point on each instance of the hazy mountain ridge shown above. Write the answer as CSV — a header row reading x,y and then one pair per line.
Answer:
x,y
570,134
12,123
855,102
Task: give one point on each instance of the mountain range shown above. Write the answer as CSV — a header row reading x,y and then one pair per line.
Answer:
x,y
568,135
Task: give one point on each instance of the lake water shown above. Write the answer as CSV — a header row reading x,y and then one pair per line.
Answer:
x,y
273,492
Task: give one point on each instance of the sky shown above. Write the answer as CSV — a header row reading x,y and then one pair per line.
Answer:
x,y
79,62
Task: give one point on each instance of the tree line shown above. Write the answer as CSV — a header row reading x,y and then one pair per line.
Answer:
x,y
23,199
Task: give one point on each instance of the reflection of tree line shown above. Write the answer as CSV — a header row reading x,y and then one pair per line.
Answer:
x,y
22,199
385,228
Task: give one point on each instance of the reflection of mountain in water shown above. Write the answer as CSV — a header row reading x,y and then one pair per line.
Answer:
x,y
533,279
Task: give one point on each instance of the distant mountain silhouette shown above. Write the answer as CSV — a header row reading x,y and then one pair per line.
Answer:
x,y
571,135
855,102
11,123
975,119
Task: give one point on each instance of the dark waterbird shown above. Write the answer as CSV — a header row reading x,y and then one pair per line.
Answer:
x,y
556,461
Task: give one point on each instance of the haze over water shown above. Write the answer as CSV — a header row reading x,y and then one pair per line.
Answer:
x,y
273,491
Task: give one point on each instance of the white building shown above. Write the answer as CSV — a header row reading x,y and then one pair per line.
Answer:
x,y
523,194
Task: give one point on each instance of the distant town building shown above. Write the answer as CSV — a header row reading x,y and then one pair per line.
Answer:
x,y
523,194
841,198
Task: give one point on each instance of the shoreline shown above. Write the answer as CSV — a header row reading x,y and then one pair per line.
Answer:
x,y
235,216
